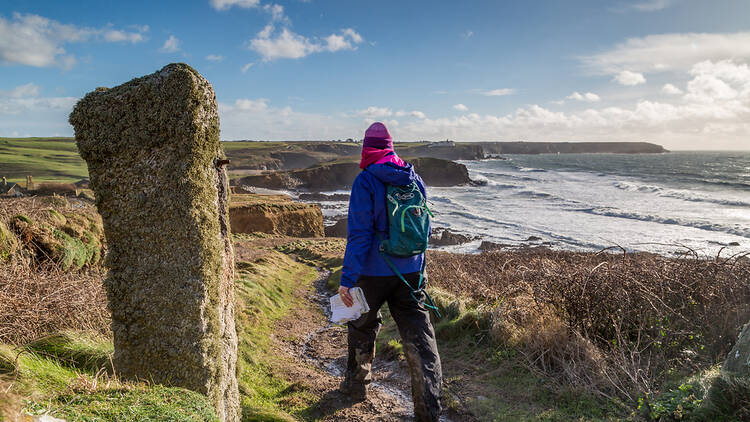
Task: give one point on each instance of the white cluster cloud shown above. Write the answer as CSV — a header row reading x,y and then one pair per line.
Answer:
x,y
460,107
589,97
247,67
499,92
373,112
629,78
670,89
652,5
171,45
215,58
227,4
21,91
290,45
668,52
33,40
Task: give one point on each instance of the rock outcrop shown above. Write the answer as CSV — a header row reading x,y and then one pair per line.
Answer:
x,y
154,159
448,238
275,214
341,175
338,229
738,359
438,172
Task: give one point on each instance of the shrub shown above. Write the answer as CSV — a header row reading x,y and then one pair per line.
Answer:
x,y
618,324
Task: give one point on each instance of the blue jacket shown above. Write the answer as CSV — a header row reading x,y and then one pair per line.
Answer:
x,y
367,215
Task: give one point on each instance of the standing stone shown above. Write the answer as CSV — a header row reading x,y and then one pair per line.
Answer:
x,y
153,153
738,359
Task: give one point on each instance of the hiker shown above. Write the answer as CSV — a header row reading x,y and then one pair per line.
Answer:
x,y
383,278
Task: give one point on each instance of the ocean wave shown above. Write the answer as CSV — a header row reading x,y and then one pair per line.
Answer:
x,y
477,217
679,194
531,170
702,225
493,175
534,194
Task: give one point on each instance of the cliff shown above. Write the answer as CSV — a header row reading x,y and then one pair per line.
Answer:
x,y
274,214
340,175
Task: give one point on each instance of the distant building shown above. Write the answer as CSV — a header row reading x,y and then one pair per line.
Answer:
x,y
445,143
9,189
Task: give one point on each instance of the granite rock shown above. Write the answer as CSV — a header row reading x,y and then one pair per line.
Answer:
x,y
152,149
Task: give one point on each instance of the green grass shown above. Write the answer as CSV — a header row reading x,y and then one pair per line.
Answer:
x,y
46,159
66,376
133,403
265,293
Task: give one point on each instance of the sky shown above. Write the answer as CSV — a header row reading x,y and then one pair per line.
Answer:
x,y
673,72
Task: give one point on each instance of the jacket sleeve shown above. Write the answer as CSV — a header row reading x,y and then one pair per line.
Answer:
x,y
360,231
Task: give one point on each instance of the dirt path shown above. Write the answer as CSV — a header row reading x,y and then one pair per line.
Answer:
x,y
317,359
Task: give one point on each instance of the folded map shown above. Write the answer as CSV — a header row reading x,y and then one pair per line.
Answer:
x,y
340,313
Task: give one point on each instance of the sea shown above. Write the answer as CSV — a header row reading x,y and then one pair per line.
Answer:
x,y
663,203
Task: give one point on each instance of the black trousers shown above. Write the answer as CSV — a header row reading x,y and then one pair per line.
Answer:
x,y
417,336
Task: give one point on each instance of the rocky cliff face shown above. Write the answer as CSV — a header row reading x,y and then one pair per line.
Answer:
x,y
275,214
437,172
434,171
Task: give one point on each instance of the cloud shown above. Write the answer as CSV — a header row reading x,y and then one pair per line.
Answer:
x,y
256,119
499,92
468,34
21,91
668,52
277,12
289,45
375,112
215,58
651,5
244,104
629,78
33,40
413,113
171,45
247,67
587,97
715,106
670,89
228,4
460,107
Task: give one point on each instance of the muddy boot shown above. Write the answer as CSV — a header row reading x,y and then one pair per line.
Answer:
x,y
355,390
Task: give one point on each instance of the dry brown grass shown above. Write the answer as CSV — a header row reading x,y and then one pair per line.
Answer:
x,y
35,302
617,324
37,295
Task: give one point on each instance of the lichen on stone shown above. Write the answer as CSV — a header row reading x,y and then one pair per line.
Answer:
x,y
151,146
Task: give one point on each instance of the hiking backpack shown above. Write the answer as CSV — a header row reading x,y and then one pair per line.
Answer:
x,y
408,233
408,221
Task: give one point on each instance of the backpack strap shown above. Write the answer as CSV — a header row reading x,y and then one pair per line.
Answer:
x,y
428,302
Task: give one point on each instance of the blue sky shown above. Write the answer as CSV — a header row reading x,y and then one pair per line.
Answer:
x,y
669,71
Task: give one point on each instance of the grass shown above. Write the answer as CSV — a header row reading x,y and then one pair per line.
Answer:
x,y
67,376
46,159
265,293
492,382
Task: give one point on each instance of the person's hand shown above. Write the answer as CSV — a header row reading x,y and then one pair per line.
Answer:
x,y
346,297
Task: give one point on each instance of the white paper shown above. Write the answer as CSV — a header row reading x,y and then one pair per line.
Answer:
x,y
340,313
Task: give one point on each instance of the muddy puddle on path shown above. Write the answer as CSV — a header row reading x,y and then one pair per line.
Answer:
x,y
322,345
